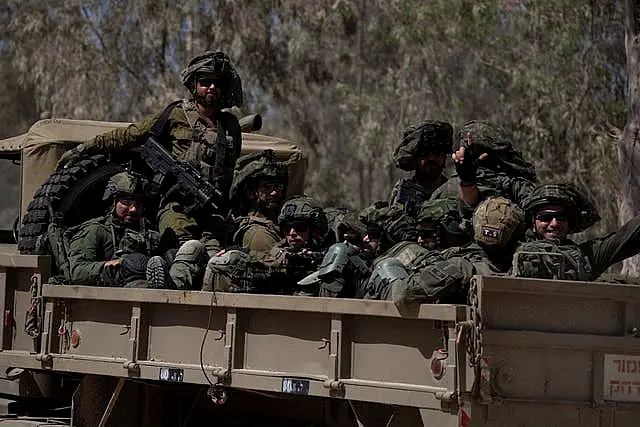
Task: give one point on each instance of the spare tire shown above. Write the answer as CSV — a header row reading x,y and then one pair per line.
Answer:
x,y
72,195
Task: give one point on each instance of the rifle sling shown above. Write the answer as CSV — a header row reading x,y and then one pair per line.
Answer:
x,y
159,126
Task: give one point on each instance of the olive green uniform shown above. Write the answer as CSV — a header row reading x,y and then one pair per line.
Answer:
x,y
393,199
103,239
257,233
585,261
448,280
189,138
489,183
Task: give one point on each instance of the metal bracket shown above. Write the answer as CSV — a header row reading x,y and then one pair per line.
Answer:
x,y
134,338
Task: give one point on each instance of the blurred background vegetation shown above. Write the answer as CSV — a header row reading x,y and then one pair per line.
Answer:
x,y
342,78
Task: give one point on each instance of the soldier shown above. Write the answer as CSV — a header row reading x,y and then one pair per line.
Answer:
x,y
113,250
386,225
556,210
486,165
423,149
440,225
345,271
344,226
258,189
197,131
304,224
497,224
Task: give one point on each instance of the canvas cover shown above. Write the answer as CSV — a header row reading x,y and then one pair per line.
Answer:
x,y
46,140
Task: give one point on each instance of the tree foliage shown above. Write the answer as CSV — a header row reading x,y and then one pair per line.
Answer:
x,y
344,77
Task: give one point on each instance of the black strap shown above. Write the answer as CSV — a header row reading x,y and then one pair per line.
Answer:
x,y
158,128
221,153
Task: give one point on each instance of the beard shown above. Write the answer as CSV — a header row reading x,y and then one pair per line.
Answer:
x,y
208,100
431,170
270,204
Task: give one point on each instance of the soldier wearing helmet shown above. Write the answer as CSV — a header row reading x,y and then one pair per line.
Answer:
x,y
304,223
257,191
497,225
114,249
386,225
423,150
414,243
553,212
440,225
197,131
486,165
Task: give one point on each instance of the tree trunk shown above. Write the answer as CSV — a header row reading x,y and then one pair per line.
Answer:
x,y
628,146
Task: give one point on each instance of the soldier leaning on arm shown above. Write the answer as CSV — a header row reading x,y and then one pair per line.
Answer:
x,y
257,192
113,250
197,131
423,150
497,224
556,210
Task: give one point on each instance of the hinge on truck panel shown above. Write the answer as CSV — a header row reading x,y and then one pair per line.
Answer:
x,y
134,338
45,347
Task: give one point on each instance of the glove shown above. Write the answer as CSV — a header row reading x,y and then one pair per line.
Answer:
x,y
466,170
70,157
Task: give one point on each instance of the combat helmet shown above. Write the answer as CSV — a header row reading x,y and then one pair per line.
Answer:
x,y
496,142
219,63
343,225
252,167
126,184
582,213
304,209
497,222
420,138
441,211
390,223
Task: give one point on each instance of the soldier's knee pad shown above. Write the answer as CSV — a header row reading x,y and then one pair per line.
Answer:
x,y
192,251
385,274
335,261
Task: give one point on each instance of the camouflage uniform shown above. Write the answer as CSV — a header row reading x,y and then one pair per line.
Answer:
x,y
106,238
585,261
188,137
417,139
344,225
446,276
278,270
504,172
389,223
256,231
345,273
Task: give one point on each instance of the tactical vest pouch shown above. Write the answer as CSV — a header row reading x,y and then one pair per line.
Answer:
x,y
541,265
56,240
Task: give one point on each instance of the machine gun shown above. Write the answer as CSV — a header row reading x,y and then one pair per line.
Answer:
x,y
410,196
277,280
295,261
180,176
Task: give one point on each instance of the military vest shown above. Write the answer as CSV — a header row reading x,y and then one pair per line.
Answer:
x,y
205,143
549,259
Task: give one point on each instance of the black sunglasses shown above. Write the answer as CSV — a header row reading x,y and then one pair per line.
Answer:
x,y
208,81
128,202
549,216
298,226
270,187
